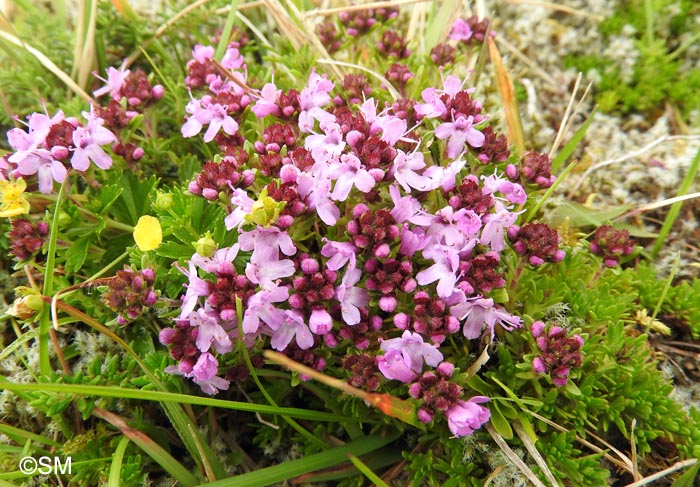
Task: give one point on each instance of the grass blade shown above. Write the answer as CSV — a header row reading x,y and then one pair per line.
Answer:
x,y
48,64
226,34
367,472
171,397
311,463
440,23
569,148
116,468
153,449
676,207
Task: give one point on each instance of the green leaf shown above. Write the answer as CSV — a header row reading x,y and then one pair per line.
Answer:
x,y
499,422
174,250
569,148
582,216
311,463
133,202
77,253
688,479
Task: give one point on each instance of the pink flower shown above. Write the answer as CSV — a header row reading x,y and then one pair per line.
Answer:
x,y
292,327
465,417
242,206
316,190
195,288
351,298
444,270
209,332
339,253
461,31
407,208
404,170
40,162
115,81
204,112
267,103
459,132
88,141
259,308
347,173
494,224
394,367
221,262
204,375
481,311
404,356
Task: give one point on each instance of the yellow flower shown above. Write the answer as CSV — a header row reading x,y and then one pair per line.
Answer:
x,y
147,233
12,201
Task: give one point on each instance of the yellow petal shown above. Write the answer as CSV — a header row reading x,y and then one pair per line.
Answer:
x,y
147,233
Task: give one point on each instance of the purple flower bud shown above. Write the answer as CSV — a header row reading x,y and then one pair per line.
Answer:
x,y
382,251
415,390
166,335
309,266
285,221
388,303
157,92
228,314
534,260
137,283
296,301
210,193
320,322
59,152
512,171
330,340
137,154
424,416
538,365
151,299
359,210
401,321
375,323
537,328
409,285
446,369
194,188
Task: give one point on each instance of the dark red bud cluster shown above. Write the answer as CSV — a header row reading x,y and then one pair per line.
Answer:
x,y
611,244
27,238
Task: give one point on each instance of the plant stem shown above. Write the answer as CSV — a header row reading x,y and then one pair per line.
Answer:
x,y
45,323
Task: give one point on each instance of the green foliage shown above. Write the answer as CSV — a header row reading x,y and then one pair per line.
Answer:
x,y
662,72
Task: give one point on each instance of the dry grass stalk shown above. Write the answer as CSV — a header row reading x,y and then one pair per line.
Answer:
x,y
673,468
559,8
539,460
629,156
510,104
513,457
356,8
48,64
625,463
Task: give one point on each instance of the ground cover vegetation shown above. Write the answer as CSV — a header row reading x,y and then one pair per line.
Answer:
x,y
282,244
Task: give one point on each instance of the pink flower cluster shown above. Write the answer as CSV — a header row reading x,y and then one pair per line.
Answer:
x,y
361,241
51,143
